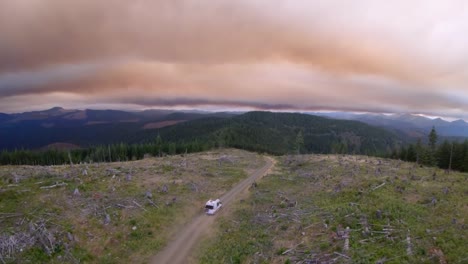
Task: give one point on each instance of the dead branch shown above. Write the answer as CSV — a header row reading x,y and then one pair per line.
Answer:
x,y
152,203
139,205
346,236
342,255
124,206
409,250
377,187
9,215
55,185
291,249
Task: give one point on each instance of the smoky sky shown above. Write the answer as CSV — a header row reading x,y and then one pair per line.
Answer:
x,y
368,55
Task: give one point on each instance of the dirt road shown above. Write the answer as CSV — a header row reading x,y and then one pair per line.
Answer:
x,y
179,249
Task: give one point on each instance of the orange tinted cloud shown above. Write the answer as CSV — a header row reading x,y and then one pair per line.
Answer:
x,y
361,55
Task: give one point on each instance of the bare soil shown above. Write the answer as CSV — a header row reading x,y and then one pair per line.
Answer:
x,y
162,124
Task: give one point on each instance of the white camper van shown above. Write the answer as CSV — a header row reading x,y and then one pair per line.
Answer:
x,y
212,206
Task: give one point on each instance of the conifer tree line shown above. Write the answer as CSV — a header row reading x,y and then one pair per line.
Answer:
x,y
447,155
108,153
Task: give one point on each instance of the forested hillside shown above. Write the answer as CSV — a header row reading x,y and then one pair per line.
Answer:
x,y
281,133
274,133
85,128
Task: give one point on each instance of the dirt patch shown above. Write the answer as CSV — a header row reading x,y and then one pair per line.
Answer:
x,y
413,198
162,124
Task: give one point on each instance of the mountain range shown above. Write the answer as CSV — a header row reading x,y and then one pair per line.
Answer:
x,y
39,129
262,131
413,126
69,128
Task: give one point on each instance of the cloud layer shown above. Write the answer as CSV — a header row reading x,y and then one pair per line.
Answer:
x,y
373,56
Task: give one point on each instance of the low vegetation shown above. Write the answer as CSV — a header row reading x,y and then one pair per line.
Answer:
x,y
109,212
346,209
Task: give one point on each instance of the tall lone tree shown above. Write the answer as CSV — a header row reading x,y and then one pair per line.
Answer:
x,y
299,142
433,138
450,161
158,143
432,145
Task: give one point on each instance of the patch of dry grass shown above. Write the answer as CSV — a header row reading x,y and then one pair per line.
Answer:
x,y
396,212
110,212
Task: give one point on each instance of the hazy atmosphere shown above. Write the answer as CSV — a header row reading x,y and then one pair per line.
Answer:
x,y
233,131
367,56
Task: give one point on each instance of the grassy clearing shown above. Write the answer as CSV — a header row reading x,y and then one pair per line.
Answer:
x,y
109,212
396,212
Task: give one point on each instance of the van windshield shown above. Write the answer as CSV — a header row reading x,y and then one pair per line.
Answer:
x,y
209,207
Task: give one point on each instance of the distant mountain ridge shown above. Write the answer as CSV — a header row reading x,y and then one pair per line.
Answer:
x,y
261,131
410,125
37,129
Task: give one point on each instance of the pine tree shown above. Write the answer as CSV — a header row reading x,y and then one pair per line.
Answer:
x,y
443,155
403,154
432,156
411,153
419,151
172,149
433,139
299,142
159,144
